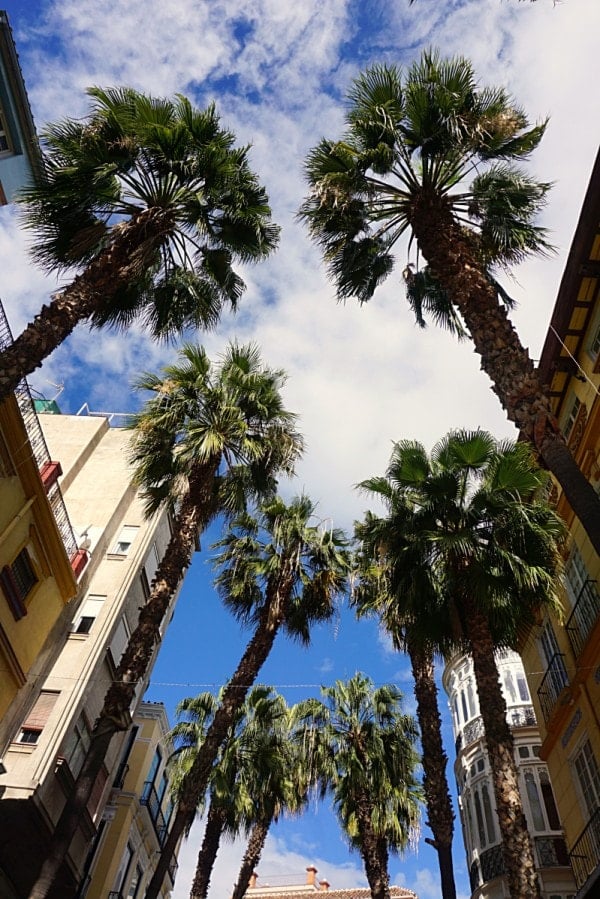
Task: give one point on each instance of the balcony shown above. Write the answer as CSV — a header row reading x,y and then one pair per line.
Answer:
x,y
585,854
39,448
521,716
553,683
152,802
582,619
551,852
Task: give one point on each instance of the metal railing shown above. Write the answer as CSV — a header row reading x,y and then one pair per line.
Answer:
x,y
150,799
585,854
521,716
39,446
582,619
553,683
551,852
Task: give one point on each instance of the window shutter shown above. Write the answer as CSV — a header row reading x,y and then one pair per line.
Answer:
x,y
97,791
151,564
119,642
38,716
90,608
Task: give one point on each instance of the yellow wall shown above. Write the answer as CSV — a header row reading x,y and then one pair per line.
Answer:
x,y
26,520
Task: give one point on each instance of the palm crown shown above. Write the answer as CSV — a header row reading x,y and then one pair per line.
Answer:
x,y
229,414
176,171
414,135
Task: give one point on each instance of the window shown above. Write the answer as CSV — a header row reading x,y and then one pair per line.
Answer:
x,y
87,614
126,538
123,871
119,641
523,689
595,344
135,884
18,580
37,719
4,143
572,417
77,745
154,767
588,775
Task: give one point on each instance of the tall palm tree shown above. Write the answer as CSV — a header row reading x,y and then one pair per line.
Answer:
x,y
373,592
485,556
414,138
151,203
281,783
210,436
362,749
275,571
250,764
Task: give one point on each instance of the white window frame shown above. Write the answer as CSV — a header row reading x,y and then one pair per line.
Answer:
x,y
90,608
125,540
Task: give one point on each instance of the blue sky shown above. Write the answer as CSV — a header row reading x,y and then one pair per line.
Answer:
x,y
359,378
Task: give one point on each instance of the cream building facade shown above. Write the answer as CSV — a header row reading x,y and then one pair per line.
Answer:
x,y
48,724
136,818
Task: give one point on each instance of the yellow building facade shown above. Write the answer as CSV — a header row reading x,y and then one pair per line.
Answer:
x,y
562,658
37,552
136,819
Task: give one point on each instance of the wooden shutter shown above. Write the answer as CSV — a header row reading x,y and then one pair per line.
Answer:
x,y
38,716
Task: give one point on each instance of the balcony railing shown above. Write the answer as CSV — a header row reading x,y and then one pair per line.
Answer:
x,y
585,854
521,716
39,447
553,683
582,619
152,802
551,852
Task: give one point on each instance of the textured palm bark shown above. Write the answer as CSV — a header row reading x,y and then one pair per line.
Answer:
x,y
434,760
196,781
114,268
517,847
256,844
452,257
215,824
134,665
374,851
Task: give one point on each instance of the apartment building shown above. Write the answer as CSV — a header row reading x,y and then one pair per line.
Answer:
x,y
48,723
562,657
19,148
479,820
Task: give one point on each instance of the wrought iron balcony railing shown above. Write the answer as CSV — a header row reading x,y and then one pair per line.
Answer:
x,y
553,683
39,447
582,619
551,852
150,799
585,854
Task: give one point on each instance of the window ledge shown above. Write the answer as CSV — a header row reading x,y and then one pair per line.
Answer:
x,y
116,557
23,748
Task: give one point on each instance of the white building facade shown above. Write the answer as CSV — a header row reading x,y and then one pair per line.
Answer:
x,y
481,832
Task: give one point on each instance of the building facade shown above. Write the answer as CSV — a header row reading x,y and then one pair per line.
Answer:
x,y
562,657
47,725
481,832
19,148
136,818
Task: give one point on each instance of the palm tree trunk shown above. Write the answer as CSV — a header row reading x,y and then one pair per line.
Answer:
x,y
517,847
114,267
115,715
374,852
434,760
196,780
256,844
453,260
215,824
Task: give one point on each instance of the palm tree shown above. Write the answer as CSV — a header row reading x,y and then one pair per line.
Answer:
x,y
362,750
275,571
250,762
373,593
280,784
210,436
151,202
414,138
470,552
